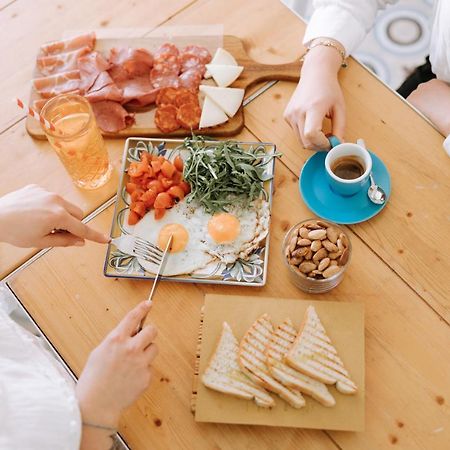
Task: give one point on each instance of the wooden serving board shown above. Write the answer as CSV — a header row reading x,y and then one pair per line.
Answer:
x,y
344,323
145,125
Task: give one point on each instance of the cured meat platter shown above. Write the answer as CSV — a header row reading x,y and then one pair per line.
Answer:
x,y
144,125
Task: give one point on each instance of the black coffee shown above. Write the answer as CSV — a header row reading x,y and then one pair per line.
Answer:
x,y
348,167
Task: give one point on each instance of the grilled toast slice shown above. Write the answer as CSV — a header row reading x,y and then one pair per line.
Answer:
x,y
223,373
313,354
280,341
252,359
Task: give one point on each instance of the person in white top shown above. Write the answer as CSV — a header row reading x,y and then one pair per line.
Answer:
x,y
335,30
40,407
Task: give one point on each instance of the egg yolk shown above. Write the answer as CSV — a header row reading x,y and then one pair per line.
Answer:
x,y
180,237
224,227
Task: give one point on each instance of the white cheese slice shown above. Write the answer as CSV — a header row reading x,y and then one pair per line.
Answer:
x,y
229,99
224,75
211,114
222,57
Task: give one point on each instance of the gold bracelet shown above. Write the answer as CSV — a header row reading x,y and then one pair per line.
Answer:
x,y
327,43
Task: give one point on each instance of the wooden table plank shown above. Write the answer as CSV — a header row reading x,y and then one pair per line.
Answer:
x,y
24,26
407,356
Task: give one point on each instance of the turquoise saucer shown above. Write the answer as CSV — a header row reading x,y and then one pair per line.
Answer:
x,y
325,203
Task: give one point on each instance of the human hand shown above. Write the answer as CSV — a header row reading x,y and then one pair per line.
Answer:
x,y
30,216
432,99
118,370
318,95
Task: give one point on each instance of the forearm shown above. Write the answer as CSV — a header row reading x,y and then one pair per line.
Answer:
x,y
322,60
95,438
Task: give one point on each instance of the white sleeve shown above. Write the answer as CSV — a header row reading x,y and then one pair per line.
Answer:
x,y
447,145
346,21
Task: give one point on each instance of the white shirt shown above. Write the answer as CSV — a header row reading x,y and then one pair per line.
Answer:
x,y
348,22
38,407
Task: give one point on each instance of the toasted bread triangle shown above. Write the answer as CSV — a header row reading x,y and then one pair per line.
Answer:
x,y
252,359
223,373
313,354
281,340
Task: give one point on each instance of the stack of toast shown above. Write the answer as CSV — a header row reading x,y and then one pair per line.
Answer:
x,y
280,360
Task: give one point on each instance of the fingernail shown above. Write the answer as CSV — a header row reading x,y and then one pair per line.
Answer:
x,y
79,243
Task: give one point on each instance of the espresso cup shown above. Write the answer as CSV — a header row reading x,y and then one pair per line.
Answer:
x,y
348,167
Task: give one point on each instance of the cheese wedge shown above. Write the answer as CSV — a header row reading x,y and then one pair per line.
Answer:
x,y
211,114
224,375
224,75
228,99
252,360
222,57
313,354
280,341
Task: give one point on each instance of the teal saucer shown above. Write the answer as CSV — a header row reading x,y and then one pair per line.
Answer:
x,y
325,203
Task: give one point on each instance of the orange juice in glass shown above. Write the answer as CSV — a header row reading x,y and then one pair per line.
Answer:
x,y
77,140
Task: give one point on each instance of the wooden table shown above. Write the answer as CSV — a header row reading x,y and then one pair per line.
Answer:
x,y
399,270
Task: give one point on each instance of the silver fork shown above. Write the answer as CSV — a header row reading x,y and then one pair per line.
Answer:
x,y
136,246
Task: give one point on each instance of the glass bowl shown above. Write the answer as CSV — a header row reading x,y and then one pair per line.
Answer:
x,y
311,258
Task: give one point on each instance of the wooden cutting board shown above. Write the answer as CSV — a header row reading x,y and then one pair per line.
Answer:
x,y
344,323
145,125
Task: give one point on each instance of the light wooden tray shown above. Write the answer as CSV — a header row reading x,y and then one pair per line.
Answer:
x,y
145,124
344,323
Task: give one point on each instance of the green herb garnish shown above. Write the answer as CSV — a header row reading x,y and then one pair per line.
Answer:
x,y
223,173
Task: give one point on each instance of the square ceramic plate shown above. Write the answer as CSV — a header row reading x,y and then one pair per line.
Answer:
x,y
344,324
250,272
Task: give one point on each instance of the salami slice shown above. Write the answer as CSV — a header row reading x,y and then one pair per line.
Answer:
x,y
166,50
200,52
185,96
166,118
191,79
167,96
188,61
188,116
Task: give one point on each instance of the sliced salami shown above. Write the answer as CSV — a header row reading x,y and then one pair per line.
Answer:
x,y
185,96
191,79
188,61
166,51
200,52
167,96
189,115
166,118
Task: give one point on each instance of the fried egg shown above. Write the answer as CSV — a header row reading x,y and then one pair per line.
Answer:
x,y
200,238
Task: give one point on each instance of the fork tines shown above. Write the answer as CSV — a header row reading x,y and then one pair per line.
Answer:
x,y
148,251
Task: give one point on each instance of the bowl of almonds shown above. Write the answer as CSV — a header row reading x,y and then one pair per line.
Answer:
x,y
317,254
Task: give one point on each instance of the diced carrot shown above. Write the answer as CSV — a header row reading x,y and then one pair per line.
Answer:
x,y
163,200
177,177
156,166
166,183
133,218
136,169
176,192
178,163
161,159
159,213
145,157
168,169
139,208
131,187
149,198
185,186
156,186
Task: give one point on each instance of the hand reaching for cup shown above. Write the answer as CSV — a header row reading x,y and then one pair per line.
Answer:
x,y
317,96
30,216
118,370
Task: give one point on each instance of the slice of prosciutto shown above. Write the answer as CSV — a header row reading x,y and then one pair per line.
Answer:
x,y
59,83
111,116
68,45
90,66
62,62
104,88
138,91
129,62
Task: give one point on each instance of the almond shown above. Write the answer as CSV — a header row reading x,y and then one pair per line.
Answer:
x,y
340,245
295,261
322,224
333,263
317,234
303,232
312,225
334,255
309,255
344,240
329,246
344,257
300,252
303,242
306,266
332,270
332,235
320,254
316,245
292,244
324,264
